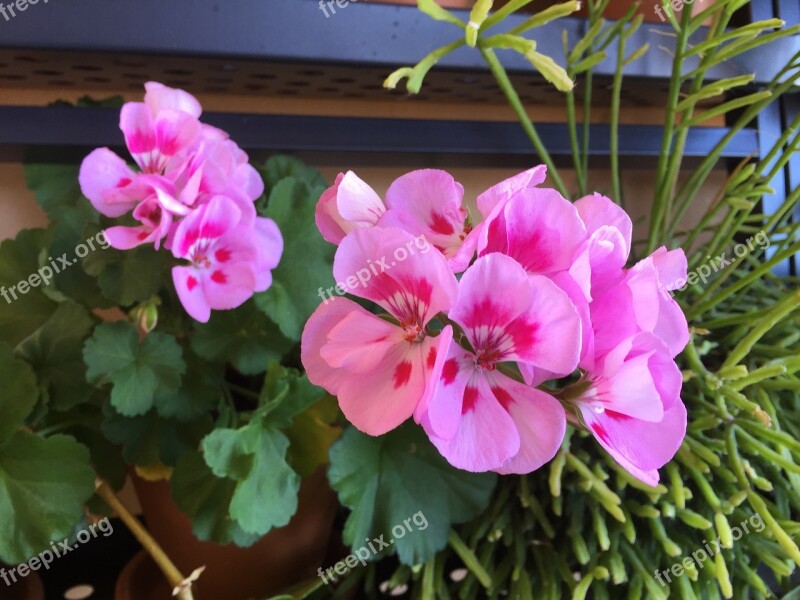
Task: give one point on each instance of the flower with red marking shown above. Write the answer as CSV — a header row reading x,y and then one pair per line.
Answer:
x,y
381,369
479,418
228,261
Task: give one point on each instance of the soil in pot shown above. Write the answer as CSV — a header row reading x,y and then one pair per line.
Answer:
x,y
283,557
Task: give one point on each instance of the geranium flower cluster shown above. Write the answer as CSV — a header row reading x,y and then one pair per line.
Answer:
x,y
536,292
193,194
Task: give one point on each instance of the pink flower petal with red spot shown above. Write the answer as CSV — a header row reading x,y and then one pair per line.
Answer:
x,y
103,178
543,231
486,435
190,293
539,418
427,202
228,286
415,287
380,400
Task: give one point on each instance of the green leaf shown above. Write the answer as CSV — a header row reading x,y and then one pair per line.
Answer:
x,y
55,186
307,260
136,370
44,484
206,498
286,393
281,166
19,392
201,391
73,226
150,439
22,314
266,486
243,337
55,352
129,276
386,480
311,436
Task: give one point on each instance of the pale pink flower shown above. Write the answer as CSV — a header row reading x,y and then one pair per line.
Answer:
x,y
382,370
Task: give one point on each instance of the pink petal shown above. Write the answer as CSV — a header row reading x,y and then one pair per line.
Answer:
x,y
502,192
532,321
103,178
359,342
136,122
549,334
540,420
597,211
543,230
160,97
428,202
435,359
357,202
125,238
270,248
205,224
639,444
315,335
389,267
190,292
444,409
175,130
380,400
329,222
227,286
486,436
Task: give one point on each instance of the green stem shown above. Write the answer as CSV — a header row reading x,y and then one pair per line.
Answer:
x,y
175,578
527,125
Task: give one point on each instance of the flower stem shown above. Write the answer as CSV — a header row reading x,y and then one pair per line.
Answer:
x,y
176,580
516,104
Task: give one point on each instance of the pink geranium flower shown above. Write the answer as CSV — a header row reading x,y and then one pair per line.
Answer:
x,y
479,418
349,203
229,261
633,407
382,370
194,194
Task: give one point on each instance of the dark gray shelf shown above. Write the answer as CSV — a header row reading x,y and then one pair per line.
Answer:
x,y
360,35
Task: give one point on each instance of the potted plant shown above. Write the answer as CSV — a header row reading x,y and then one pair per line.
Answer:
x,y
115,363
534,403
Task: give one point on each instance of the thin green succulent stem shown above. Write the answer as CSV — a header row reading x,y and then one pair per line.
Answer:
x,y
659,202
689,190
499,73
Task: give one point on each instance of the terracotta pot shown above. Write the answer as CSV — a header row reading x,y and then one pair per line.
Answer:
x,y
26,588
283,557
615,10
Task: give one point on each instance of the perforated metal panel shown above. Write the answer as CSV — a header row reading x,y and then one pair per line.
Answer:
x,y
116,72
